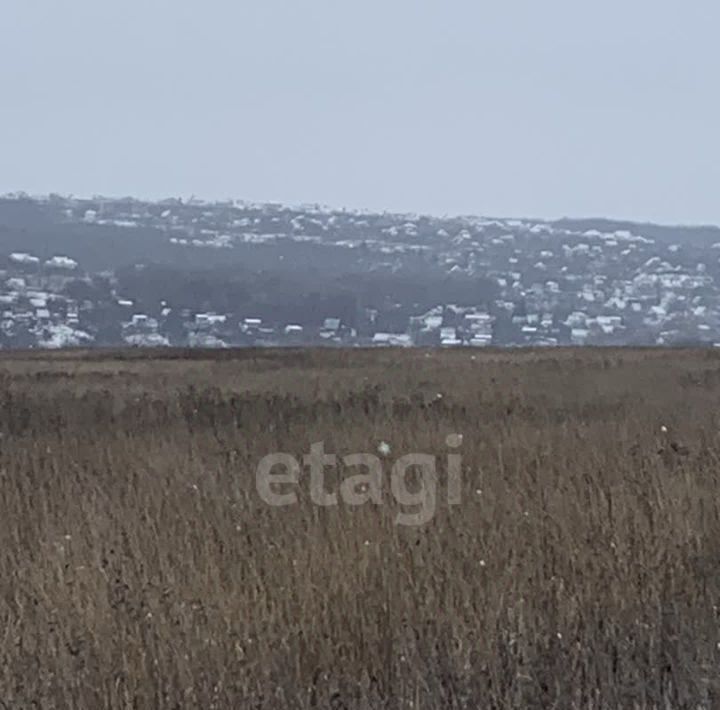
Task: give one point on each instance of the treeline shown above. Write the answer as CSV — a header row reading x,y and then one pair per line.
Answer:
x,y
306,299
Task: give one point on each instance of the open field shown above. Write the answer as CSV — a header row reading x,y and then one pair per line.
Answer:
x,y
140,568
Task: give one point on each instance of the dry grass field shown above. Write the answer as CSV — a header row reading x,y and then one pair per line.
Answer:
x,y
139,567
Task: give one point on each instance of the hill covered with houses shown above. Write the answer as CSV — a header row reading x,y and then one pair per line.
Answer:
x,y
108,272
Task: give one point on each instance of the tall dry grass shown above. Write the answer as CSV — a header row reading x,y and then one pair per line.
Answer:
x,y
140,569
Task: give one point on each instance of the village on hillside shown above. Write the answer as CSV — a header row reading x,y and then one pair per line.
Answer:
x,y
106,272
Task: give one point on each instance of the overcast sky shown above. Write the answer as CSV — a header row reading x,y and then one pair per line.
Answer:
x,y
496,107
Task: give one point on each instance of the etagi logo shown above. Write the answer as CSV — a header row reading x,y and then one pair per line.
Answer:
x,y
278,473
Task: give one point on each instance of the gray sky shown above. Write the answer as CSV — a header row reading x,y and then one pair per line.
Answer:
x,y
499,107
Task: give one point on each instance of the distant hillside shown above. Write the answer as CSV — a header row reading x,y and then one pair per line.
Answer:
x,y
126,271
